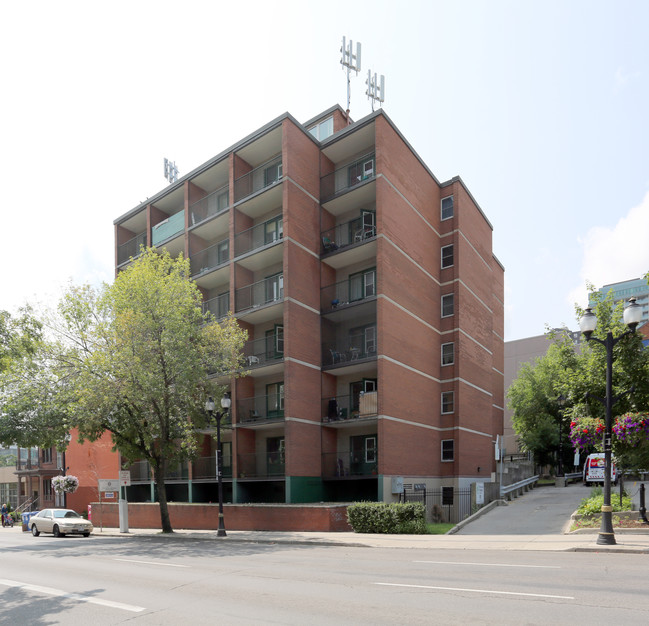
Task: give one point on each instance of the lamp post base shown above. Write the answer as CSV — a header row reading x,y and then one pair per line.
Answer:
x,y
606,533
606,539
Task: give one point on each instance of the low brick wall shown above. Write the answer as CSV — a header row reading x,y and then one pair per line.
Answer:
x,y
287,517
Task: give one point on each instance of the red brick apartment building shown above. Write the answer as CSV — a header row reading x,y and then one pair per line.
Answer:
x,y
373,304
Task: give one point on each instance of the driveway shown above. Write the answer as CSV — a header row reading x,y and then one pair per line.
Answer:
x,y
541,511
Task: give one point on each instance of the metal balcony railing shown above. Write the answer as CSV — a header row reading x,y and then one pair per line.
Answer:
x,y
259,409
348,176
211,257
265,351
345,292
215,203
267,465
265,291
204,468
218,306
347,234
131,249
341,408
349,463
355,347
258,236
263,176
140,472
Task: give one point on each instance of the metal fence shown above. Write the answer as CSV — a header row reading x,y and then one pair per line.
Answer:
x,y
446,504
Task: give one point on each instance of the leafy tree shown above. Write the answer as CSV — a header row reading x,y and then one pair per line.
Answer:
x,y
19,336
138,359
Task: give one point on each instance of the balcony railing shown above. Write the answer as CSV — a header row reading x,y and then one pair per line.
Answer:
x,y
219,306
140,472
258,236
356,347
348,176
131,248
342,294
263,292
214,204
205,468
347,234
261,177
265,351
267,465
341,408
168,228
349,463
259,409
210,257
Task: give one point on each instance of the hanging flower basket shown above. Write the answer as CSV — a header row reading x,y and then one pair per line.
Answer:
x,y
586,432
65,484
632,429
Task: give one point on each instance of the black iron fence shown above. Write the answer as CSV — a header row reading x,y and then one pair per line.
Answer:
x,y
446,504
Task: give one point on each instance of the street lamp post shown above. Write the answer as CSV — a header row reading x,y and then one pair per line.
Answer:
x,y
561,400
587,324
209,407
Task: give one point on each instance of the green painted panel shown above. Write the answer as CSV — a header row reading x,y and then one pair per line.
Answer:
x,y
301,489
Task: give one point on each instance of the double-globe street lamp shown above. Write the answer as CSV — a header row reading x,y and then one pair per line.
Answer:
x,y
209,407
587,324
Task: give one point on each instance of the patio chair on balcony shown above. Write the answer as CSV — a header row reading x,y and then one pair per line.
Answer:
x,y
337,356
328,245
252,360
254,414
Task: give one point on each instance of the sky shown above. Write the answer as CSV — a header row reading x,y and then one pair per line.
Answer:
x,y
542,107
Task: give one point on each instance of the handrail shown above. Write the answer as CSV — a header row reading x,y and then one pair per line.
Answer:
x,y
521,483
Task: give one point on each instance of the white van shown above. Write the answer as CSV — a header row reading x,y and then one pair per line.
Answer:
x,y
594,469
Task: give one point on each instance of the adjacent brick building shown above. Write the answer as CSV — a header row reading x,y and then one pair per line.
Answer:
x,y
373,304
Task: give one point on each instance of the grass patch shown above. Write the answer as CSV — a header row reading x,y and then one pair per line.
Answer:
x,y
438,529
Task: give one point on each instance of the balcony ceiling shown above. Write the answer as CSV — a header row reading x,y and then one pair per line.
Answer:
x,y
355,143
136,223
173,202
214,229
216,277
262,149
214,178
352,255
267,256
263,201
363,195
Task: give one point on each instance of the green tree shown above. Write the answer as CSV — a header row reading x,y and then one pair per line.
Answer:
x,y
138,359
19,336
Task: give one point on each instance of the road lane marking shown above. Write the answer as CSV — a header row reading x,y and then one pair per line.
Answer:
x,y
491,564
504,593
50,591
150,563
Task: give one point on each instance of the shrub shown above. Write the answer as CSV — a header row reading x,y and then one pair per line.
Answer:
x,y
406,518
593,505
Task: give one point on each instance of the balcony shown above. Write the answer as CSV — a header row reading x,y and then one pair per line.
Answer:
x,y
210,258
346,409
131,249
355,349
213,204
356,231
260,409
265,351
204,468
141,472
267,465
267,291
169,228
219,307
356,289
263,176
260,235
349,176
349,464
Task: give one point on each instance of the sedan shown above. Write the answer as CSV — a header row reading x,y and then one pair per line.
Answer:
x,y
60,522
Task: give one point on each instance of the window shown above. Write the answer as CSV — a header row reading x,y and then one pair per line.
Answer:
x,y
275,455
324,129
448,449
47,488
363,227
448,401
273,230
447,256
223,251
448,305
274,287
360,171
275,399
47,455
362,285
370,450
362,342
448,353
275,342
447,207
272,174
366,385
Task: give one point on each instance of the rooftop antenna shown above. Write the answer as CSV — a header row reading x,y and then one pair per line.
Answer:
x,y
171,171
351,61
375,90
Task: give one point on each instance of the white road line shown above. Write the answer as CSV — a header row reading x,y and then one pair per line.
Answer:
x,y
150,563
491,564
505,593
50,591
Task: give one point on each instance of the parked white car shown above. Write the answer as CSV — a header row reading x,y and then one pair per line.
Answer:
x,y
60,522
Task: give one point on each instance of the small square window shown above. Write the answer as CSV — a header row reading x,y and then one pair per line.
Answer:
x,y
448,449
447,207
448,401
448,353
447,256
448,305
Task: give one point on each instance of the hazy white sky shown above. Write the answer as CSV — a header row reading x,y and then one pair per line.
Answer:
x,y
540,106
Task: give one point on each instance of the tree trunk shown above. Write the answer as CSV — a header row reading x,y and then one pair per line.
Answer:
x,y
159,471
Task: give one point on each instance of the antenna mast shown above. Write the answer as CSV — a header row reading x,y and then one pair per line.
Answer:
x,y
375,91
351,61
171,171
